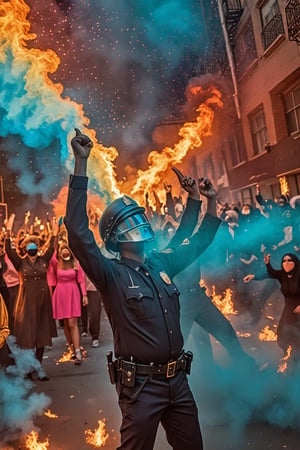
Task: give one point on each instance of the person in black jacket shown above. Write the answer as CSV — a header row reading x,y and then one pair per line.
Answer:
x,y
142,305
288,331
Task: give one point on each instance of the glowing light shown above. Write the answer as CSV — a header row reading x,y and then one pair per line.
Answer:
x,y
99,437
31,442
266,334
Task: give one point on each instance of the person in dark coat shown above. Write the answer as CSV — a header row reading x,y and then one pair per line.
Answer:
x,y
142,305
288,331
34,325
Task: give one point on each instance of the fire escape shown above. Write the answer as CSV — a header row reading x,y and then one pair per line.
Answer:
x,y
232,13
292,12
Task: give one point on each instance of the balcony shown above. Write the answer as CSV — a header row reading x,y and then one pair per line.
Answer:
x,y
292,12
232,13
272,30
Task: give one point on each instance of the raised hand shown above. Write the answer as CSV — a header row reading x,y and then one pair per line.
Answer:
x,y
267,258
206,188
81,145
187,183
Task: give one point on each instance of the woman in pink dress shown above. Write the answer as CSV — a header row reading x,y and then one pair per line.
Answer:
x,y
69,282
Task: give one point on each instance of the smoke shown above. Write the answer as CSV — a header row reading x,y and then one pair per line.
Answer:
x,y
18,404
237,394
127,63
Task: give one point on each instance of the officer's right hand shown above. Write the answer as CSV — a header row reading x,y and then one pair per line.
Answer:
x,y
81,145
187,183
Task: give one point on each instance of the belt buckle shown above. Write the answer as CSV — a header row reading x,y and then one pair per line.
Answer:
x,y
171,369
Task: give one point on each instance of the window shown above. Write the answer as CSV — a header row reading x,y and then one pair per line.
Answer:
x,y
259,131
271,19
237,152
268,11
247,197
245,49
292,111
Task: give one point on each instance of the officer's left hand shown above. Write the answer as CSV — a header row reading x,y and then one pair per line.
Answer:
x,y
187,183
206,188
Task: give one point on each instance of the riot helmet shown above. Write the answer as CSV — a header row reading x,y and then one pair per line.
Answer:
x,y
124,221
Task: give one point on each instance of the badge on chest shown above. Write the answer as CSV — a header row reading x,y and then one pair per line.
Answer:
x,y
165,277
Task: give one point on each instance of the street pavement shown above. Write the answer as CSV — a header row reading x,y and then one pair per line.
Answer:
x,y
82,395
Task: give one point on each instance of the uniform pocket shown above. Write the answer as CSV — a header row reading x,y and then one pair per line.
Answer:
x,y
141,303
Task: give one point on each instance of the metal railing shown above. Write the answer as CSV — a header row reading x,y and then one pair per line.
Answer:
x,y
292,12
272,30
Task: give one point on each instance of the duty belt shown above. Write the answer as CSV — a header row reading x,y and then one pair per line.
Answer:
x,y
168,370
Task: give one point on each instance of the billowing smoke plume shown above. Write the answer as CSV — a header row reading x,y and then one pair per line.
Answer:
x,y
18,405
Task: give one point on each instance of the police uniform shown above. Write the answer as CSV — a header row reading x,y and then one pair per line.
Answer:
x,y
142,305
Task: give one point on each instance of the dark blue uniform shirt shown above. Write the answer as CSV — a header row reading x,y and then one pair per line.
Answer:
x,y
141,301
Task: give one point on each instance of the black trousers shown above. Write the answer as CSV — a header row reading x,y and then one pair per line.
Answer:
x,y
166,401
198,307
94,309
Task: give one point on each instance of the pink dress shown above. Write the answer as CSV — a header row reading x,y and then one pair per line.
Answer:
x,y
66,299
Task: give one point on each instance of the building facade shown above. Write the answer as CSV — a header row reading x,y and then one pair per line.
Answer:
x,y
264,148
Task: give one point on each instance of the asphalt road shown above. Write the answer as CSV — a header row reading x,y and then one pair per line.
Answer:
x,y
82,395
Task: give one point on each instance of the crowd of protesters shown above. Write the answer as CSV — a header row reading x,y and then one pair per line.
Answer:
x,y
36,264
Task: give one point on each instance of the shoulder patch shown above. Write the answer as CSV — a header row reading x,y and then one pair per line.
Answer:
x,y
167,250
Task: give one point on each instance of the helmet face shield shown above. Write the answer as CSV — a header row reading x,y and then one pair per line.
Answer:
x,y
135,228
124,220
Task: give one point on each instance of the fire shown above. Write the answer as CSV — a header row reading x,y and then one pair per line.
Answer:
x,y
266,334
43,114
191,134
49,414
99,437
31,442
283,361
243,334
223,303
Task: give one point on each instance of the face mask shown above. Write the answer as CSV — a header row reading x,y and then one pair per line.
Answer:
x,y
32,251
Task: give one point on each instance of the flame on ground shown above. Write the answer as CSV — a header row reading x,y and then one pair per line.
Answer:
x,y
223,302
31,442
283,361
51,415
266,334
98,437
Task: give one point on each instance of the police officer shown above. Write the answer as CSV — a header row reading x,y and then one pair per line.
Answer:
x,y
142,305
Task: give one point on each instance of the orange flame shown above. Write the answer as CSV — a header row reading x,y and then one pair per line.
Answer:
x,y
36,65
266,334
49,414
31,442
223,303
99,437
191,134
283,361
